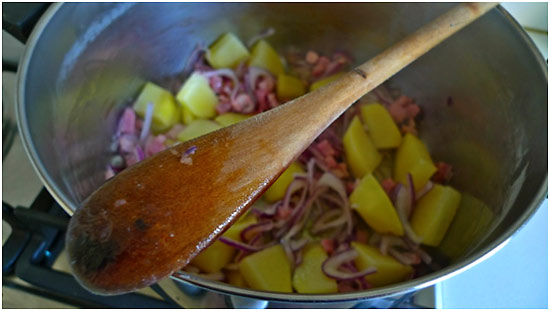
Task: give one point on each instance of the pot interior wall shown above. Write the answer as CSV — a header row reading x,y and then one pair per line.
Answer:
x,y
483,91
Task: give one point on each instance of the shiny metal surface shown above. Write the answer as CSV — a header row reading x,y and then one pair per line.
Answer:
x,y
84,61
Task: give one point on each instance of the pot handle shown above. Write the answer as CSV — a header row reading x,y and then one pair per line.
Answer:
x,y
19,19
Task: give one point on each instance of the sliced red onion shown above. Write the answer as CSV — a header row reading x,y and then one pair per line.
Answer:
x,y
310,175
412,193
332,264
297,245
298,258
140,154
254,73
297,184
195,57
226,73
262,35
405,258
337,185
255,230
268,212
418,249
127,122
388,241
328,221
148,119
243,246
429,185
289,253
297,221
403,202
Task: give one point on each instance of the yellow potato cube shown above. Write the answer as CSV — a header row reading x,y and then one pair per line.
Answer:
x,y
165,110
361,154
381,127
308,277
226,52
374,206
277,190
389,270
434,213
219,254
263,55
197,96
187,116
234,277
289,87
267,270
197,128
322,82
413,157
231,118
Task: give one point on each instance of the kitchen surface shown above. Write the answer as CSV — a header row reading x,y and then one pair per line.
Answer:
x,y
516,276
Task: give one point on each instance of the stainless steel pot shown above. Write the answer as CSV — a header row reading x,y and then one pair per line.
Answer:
x,y
484,94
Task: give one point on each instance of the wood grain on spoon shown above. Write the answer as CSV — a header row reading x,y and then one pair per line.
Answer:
x,y
154,217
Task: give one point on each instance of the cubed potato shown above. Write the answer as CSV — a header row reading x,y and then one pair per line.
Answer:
x,y
165,110
234,277
187,116
434,213
231,118
361,154
371,202
381,128
277,190
226,52
219,254
308,277
289,87
322,82
267,270
197,128
413,157
389,270
263,55
471,221
197,96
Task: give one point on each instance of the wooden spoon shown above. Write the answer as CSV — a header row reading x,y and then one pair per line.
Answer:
x,y
154,217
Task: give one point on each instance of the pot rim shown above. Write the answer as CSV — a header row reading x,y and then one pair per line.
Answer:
x,y
390,290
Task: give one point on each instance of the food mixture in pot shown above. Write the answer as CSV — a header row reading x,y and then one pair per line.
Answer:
x,y
362,207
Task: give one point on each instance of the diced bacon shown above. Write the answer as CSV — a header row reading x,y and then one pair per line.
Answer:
x,y
362,236
261,97
154,145
325,148
320,67
266,83
272,100
216,83
409,127
444,173
127,123
388,185
223,107
331,162
328,245
284,213
127,143
243,103
312,57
